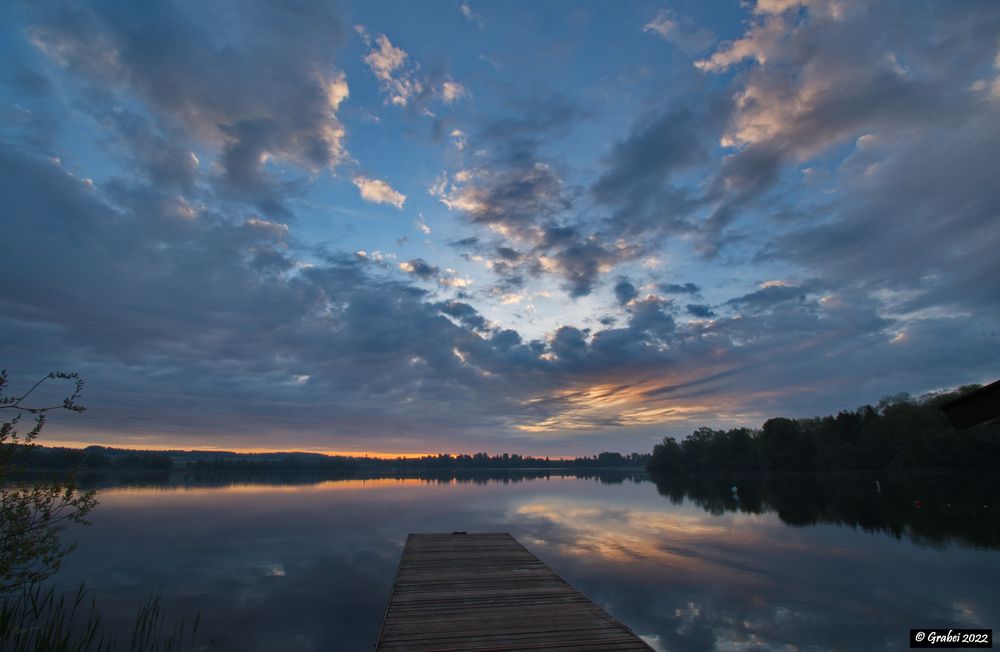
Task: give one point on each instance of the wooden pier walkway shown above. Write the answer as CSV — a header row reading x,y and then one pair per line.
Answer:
x,y
486,592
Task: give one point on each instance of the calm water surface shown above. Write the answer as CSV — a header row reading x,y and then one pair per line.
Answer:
x,y
835,565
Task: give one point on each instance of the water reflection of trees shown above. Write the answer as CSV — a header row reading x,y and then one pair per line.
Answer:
x,y
99,480
952,508
930,509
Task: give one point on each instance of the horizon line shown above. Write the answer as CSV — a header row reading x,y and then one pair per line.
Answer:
x,y
79,445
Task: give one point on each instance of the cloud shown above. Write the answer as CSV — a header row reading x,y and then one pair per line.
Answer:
x,y
933,196
455,281
399,78
239,315
640,182
420,268
689,38
521,205
385,59
700,311
427,272
806,77
165,162
820,80
452,91
509,202
579,259
828,145
657,146
195,292
388,64
524,205
533,119
770,295
625,291
833,74
275,96
674,288
379,192
470,15
459,139
465,314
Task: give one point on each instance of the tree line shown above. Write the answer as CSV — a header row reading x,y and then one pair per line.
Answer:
x,y
99,458
91,458
900,433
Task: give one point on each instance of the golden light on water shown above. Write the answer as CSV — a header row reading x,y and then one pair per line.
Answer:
x,y
353,484
698,544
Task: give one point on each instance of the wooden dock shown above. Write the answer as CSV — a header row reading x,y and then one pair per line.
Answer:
x,y
486,592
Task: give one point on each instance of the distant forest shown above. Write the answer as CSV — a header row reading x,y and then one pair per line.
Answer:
x,y
901,433
99,458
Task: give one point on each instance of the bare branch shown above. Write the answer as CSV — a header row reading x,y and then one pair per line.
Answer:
x,y
32,518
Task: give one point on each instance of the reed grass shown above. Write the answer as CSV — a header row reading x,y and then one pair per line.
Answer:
x,y
40,619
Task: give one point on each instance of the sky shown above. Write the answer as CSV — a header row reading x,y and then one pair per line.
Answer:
x,y
551,228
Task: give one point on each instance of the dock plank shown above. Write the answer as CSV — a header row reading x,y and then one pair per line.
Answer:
x,y
478,592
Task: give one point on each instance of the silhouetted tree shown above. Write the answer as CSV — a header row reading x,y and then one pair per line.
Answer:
x,y
785,446
667,457
33,515
900,433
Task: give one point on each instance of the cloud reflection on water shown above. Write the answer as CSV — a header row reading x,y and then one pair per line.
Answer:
x,y
309,567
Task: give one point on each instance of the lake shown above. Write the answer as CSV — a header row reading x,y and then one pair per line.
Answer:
x,y
792,563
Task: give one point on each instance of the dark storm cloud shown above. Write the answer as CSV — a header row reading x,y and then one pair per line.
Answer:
x,y
255,79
